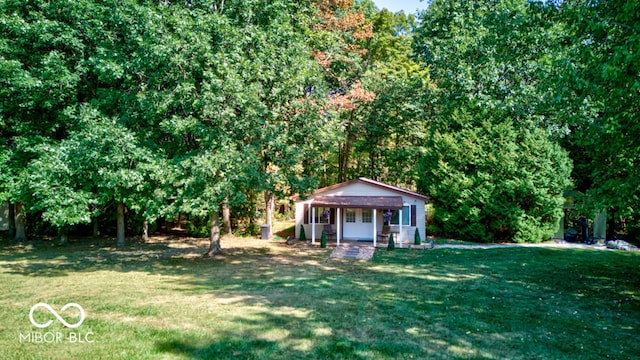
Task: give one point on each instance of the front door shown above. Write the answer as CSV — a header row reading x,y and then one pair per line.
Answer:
x,y
357,224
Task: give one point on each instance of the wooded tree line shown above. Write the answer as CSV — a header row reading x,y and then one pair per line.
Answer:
x,y
161,108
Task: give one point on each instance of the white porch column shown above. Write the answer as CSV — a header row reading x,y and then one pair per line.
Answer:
x,y
400,228
313,225
338,225
375,232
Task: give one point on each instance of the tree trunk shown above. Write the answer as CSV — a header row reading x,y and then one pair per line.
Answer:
x,y
611,224
219,8
94,222
214,236
145,230
64,236
120,224
325,171
344,152
343,161
20,222
226,217
270,206
12,220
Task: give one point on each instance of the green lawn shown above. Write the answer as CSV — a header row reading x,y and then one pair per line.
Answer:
x,y
265,300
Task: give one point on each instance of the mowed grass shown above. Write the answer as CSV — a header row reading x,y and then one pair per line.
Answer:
x,y
264,300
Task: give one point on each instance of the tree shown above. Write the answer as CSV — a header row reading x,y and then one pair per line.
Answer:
x,y
393,127
372,80
98,165
190,104
340,32
230,103
489,165
599,92
203,182
61,57
280,116
495,181
40,75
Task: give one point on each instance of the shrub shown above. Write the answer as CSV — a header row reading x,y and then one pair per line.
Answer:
x,y
198,227
303,236
392,243
495,181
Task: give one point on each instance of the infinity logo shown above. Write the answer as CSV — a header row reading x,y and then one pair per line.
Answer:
x,y
46,306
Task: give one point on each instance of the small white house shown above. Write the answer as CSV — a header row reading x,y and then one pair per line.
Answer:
x,y
355,210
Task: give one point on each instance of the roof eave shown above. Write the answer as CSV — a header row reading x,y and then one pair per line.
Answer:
x,y
370,182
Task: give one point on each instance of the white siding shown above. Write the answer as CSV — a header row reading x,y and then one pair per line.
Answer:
x,y
360,189
300,220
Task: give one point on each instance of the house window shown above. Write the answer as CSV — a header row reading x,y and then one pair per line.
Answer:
x,y
322,215
406,215
351,215
367,215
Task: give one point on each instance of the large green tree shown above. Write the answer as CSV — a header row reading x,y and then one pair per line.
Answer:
x,y
279,119
393,127
97,166
341,31
372,81
42,52
77,70
599,89
230,105
489,165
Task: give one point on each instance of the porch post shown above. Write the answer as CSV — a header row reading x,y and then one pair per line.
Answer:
x,y
375,233
400,228
338,226
313,225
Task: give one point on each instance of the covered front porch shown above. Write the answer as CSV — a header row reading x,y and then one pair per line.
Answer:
x,y
356,218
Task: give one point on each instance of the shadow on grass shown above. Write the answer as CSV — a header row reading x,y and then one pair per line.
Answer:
x,y
282,336
50,258
443,303
505,303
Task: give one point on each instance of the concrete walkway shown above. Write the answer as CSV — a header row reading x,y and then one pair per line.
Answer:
x,y
353,251
365,251
560,245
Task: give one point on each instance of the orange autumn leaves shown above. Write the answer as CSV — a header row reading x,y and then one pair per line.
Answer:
x,y
339,17
350,100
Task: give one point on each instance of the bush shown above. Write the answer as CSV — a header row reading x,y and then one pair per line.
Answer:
x,y
251,228
198,227
303,236
495,181
392,243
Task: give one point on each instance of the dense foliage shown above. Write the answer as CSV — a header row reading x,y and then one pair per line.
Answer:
x,y
490,166
602,103
156,109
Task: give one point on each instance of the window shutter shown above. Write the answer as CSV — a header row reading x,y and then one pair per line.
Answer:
x,y
306,213
413,215
332,216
